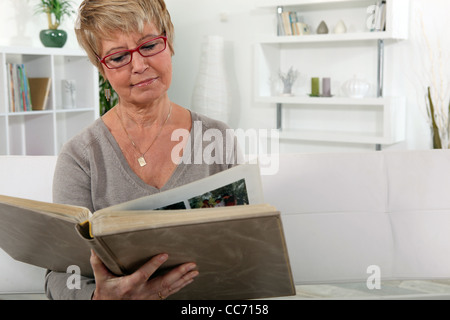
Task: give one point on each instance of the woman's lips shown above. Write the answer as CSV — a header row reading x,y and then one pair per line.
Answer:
x,y
144,83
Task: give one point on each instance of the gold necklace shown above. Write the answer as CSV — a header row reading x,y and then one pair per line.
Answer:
x,y
141,159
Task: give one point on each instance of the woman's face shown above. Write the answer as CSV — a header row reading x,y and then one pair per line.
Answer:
x,y
144,80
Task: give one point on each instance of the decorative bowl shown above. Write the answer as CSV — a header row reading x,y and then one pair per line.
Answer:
x,y
356,88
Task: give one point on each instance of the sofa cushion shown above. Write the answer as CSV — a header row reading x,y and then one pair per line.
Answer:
x,y
319,183
343,213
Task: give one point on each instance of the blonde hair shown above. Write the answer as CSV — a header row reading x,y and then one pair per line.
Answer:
x,y
100,19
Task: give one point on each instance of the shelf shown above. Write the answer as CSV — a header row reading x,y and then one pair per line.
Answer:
x,y
343,137
338,119
391,120
326,101
354,14
274,4
44,132
74,110
29,113
326,38
43,51
41,112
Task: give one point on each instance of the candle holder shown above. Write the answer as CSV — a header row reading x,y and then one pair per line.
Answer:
x,y
315,89
326,87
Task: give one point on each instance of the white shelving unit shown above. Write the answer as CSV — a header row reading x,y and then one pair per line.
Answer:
x,y
334,55
44,132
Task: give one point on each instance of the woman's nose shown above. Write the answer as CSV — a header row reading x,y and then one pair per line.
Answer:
x,y
139,63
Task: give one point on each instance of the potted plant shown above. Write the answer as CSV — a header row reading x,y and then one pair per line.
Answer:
x,y
55,10
288,80
108,97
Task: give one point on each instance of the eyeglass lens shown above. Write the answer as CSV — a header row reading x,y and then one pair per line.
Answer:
x,y
147,49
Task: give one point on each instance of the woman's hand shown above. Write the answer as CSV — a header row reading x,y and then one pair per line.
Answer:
x,y
137,286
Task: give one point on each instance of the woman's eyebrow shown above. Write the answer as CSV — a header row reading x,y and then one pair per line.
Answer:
x,y
113,50
149,36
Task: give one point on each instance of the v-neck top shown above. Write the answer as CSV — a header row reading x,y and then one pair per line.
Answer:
x,y
92,171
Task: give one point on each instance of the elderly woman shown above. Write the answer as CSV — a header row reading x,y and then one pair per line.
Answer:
x,y
128,153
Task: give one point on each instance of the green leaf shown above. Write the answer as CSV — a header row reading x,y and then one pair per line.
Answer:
x,y
58,9
437,144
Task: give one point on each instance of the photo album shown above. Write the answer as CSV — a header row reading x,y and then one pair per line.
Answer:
x,y
220,222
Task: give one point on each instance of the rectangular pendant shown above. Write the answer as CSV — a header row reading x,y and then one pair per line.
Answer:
x,y
142,162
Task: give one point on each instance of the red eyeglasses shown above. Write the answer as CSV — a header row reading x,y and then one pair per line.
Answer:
x,y
147,49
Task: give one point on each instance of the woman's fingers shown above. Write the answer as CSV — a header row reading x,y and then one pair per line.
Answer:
x,y
149,268
180,275
181,283
139,285
176,279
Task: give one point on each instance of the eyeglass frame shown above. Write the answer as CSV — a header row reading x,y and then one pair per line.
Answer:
x,y
137,49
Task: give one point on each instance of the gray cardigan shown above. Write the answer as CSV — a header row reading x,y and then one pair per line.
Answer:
x,y
92,172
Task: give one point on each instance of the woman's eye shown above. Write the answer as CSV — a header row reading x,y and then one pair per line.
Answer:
x,y
117,58
149,47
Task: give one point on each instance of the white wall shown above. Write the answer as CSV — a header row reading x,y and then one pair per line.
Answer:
x,y
238,22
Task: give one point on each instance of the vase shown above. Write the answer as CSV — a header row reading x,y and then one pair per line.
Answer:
x,y
322,28
53,38
287,90
356,88
340,27
211,92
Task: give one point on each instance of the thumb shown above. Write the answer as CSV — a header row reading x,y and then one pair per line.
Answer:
x,y
101,273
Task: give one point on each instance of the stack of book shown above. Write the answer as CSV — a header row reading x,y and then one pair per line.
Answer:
x,y
18,88
24,93
379,16
290,24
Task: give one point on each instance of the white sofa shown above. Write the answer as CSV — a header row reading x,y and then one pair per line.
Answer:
x,y
345,212
342,213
